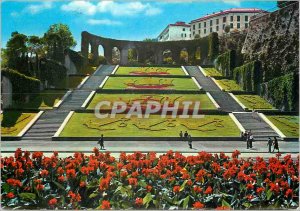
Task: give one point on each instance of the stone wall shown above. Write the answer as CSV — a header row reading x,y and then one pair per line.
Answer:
x,y
6,92
274,40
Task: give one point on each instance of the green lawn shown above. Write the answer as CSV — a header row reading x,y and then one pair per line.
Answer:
x,y
45,100
229,85
254,102
288,125
212,72
87,125
13,122
74,81
156,83
205,102
149,71
89,70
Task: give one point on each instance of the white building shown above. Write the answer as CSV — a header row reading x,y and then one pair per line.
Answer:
x,y
237,18
177,31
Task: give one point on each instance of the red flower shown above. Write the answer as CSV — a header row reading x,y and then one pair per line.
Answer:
x,y
208,190
148,188
10,195
289,193
40,187
104,184
82,184
14,182
138,202
60,170
176,189
105,205
274,188
198,205
250,186
260,190
85,170
44,173
197,189
52,202
61,178
223,208
71,173
132,181
235,154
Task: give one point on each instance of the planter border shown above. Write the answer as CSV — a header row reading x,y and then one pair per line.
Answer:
x,y
196,82
82,82
276,129
29,125
184,70
238,124
103,82
239,102
62,126
88,99
115,70
203,71
213,100
218,85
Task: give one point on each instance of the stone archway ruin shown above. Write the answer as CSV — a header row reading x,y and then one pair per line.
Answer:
x,y
156,48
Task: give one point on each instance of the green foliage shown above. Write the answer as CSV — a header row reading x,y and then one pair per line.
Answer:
x,y
248,76
22,85
54,73
213,46
225,63
76,58
282,92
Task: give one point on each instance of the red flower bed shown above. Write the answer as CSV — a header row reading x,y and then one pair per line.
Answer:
x,y
148,181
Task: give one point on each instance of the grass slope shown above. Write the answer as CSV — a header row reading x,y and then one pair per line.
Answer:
x,y
149,71
229,85
205,102
254,102
157,83
87,125
212,72
288,125
12,122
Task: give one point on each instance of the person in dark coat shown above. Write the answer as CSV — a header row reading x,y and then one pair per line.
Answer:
x,y
251,138
190,141
270,143
246,134
181,136
101,142
242,136
186,135
276,146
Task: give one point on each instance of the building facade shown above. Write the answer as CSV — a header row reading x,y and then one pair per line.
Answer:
x,y
177,31
237,19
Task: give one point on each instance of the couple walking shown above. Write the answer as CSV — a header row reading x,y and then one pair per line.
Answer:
x,y
274,143
248,137
186,137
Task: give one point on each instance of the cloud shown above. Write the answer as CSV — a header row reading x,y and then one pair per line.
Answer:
x,y
103,22
33,9
83,7
114,8
233,2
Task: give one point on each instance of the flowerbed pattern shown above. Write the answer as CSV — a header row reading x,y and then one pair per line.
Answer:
x,y
148,181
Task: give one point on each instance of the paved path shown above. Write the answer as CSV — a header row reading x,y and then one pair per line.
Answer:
x,y
50,121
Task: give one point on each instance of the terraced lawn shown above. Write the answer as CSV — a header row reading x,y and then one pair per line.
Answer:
x,y
152,83
45,100
288,125
229,85
212,72
150,71
205,102
254,102
13,122
74,81
87,125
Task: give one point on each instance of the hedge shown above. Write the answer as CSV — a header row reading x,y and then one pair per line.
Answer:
x,y
249,76
22,85
213,46
225,63
76,58
282,92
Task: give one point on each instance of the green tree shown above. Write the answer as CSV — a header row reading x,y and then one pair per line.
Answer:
x,y
36,49
197,36
227,29
57,39
149,40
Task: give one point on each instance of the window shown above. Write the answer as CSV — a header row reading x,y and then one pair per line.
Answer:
x,y
184,35
231,25
210,30
193,27
246,17
210,23
217,21
193,33
190,35
238,25
181,35
204,24
246,25
204,31
231,18
199,25
238,18
217,28
224,19
183,29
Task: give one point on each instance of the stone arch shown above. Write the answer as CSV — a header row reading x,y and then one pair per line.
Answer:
x,y
184,56
116,55
167,56
133,56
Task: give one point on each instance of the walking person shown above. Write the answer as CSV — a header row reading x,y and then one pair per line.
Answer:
x,y
190,141
251,138
276,146
101,142
270,143
246,134
181,136
186,135
242,136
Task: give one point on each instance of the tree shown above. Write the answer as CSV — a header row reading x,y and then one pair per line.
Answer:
x,y
149,40
227,29
281,4
57,39
197,36
36,49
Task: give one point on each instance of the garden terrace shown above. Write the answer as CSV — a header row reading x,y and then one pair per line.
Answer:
x,y
150,71
254,102
288,125
86,126
212,72
229,85
205,102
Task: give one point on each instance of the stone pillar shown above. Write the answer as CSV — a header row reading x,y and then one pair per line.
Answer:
x,y
84,46
124,57
191,56
159,57
6,94
108,54
95,53
176,56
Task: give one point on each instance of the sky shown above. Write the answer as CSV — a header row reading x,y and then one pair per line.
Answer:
x,y
129,20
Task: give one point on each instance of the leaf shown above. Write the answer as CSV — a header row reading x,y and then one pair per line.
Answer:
x,y
183,185
5,188
28,196
269,194
147,199
59,185
186,202
93,195
142,183
247,204
225,203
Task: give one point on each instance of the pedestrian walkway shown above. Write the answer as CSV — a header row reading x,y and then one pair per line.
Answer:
x,y
50,121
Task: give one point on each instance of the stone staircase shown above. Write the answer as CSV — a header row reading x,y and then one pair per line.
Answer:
x,y
74,100
259,128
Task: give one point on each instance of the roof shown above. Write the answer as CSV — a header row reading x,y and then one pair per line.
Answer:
x,y
180,23
233,10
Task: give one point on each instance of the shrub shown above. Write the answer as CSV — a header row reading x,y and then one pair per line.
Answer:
x,y
248,76
22,85
213,46
225,63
